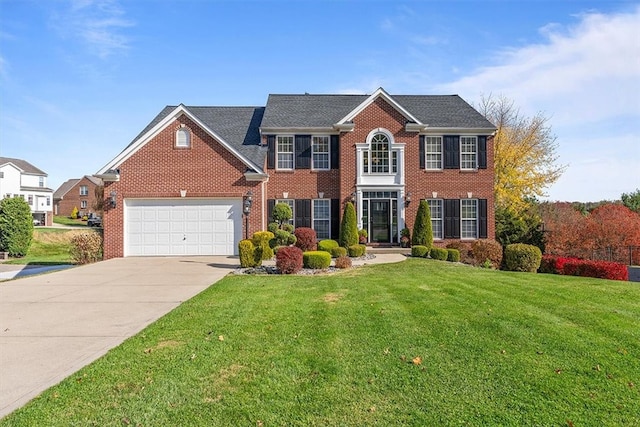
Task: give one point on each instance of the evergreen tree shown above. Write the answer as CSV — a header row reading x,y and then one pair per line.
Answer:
x,y
422,232
16,226
348,226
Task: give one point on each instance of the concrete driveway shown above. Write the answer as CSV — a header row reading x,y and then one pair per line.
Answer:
x,y
53,324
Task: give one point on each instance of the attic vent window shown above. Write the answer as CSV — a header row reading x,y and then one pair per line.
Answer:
x,y
183,137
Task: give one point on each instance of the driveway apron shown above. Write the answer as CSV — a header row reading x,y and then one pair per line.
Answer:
x,y
51,325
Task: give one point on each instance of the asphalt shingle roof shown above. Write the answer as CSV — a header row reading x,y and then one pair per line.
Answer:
x,y
22,164
65,187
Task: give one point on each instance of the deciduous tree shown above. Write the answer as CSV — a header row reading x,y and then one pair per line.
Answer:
x,y
632,200
525,153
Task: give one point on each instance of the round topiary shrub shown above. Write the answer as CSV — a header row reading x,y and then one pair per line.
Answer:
x,y
487,250
356,251
343,262
262,240
316,260
521,257
453,255
338,251
305,238
419,251
283,238
289,260
249,256
16,226
327,245
438,253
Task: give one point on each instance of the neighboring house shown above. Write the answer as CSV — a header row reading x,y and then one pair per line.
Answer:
x,y
180,187
19,178
76,193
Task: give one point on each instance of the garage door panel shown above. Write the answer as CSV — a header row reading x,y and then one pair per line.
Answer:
x,y
182,226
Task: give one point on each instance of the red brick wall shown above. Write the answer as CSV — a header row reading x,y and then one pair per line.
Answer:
x,y
73,199
159,169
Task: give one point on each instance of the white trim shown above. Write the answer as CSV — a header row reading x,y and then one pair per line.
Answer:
x,y
459,131
144,139
384,95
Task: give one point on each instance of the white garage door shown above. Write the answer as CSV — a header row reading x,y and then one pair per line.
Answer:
x,y
182,226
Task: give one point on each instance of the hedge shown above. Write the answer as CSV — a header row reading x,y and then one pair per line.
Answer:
x,y
522,257
339,251
453,255
485,249
317,260
419,251
250,256
438,253
262,239
356,251
327,244
584,268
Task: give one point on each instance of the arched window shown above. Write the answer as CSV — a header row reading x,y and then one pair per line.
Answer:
x,y
379,153
183,137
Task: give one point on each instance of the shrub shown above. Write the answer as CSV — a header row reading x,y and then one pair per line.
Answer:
x,y
249,256
305,238
281,213
464,249
338,252
317,260
74,213
283,238
86,248
362,236
273,227
349,226
405,237
485,249
16,226
439,254
419,251
522,257
584,268
327,245
343,262
289,259
287,227
262,239
422,232
357,250
453,255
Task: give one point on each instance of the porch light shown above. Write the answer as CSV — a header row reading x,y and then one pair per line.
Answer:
x,y
246,209
469,195
434,194
320,194
183,193
353,196
112,199
407,199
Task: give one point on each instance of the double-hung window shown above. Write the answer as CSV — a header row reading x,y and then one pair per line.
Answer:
x,y
322,218
320,149
468,152
83,204
433,152
284,150
84,190
435,208
41,181
468,218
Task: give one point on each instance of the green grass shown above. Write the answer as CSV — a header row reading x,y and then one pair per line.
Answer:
x,y
496,348
64,220
50,246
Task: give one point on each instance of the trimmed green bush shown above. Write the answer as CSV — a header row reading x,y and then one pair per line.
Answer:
x,y
484,250
349,227
453,255
422,232
522,257
16,226
419,251
438,253
262,240
281,213
343,262
86,247
356,251
317,260
273,227
282,238
338,251
327,245
250,255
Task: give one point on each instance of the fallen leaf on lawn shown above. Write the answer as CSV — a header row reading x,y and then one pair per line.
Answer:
x,y
220,338
558,371
403,358
503,351
417,360
596,368
387,350
147,350
569,423
631,384
372,409
193,356
259,423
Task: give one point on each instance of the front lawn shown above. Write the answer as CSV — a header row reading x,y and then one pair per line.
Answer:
x,y
65,220
421,343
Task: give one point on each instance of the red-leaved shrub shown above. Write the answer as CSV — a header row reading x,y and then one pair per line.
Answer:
x,y
289,259
584,268
307,240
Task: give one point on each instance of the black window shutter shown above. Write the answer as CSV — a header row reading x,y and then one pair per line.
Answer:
x,y
335,219
271,154
303,151
451,152
452,218
422,152
270,204
303,213
335,151
482,218
482,152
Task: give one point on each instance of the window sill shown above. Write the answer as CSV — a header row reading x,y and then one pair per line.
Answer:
x,y
468,170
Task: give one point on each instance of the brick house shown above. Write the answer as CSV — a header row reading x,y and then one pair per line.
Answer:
x,y
181,186
19,178
76,193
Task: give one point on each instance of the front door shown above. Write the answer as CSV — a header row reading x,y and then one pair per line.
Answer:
x,y
380,223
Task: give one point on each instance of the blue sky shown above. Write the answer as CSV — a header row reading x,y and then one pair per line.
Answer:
x,y
79,79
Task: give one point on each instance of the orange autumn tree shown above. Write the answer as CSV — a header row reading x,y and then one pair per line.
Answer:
x,y
611,229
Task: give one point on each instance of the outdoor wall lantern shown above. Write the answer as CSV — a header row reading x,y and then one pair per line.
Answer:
x,y
407,199
320,194
112,199
246,209
353,196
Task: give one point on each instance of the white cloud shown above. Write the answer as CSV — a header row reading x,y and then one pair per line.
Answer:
x,y
98,23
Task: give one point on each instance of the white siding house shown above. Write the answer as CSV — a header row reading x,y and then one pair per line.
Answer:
x,y
19,178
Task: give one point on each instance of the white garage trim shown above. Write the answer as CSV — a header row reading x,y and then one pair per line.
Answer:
x,y
182,226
